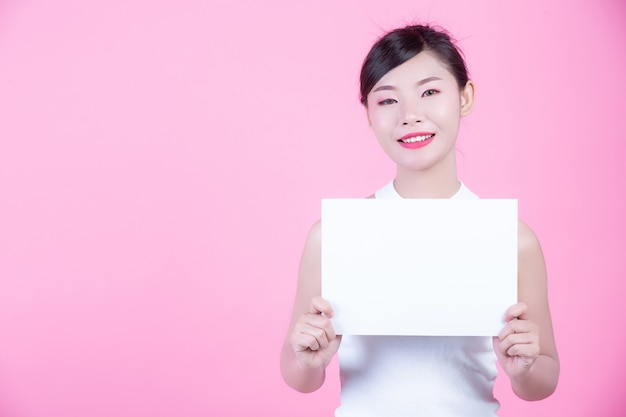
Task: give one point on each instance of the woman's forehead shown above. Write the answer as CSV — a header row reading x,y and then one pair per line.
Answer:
x,y
423,67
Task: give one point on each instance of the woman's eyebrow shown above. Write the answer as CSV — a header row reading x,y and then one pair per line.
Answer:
x,y
420,82
427,80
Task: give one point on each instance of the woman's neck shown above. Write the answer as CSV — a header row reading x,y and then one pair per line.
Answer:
x,y
439,181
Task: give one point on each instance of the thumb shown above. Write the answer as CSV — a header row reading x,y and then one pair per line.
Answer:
x,y
334,344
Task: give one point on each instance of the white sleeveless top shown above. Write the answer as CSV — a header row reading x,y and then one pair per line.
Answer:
x,y
430,376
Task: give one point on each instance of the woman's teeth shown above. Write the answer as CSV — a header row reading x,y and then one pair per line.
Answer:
x,y
417,138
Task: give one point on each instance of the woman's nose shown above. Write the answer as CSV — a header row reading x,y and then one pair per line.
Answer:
x,y
412,113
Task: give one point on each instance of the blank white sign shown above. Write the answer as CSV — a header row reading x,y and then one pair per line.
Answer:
x,y
419,266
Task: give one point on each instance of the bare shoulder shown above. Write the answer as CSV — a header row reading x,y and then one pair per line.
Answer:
x,y
531,264
315,233
309,275
528,243
526,239
312,247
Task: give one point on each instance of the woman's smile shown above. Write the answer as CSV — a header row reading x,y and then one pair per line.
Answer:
x,y
416,140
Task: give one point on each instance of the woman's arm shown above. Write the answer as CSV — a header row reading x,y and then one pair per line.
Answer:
x,y
311,341
525,347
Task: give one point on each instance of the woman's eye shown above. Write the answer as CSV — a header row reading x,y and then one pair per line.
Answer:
x,y
429,92
386,101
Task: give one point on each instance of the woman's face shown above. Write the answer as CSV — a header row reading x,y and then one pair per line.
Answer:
x,y
415,110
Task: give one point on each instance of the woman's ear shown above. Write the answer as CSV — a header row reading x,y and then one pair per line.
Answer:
x,y
467,98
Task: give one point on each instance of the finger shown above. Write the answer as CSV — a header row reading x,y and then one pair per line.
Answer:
x,y
306,335
321,322
516,311
519,339
524,350
519,342
517,327
321,306
319,335
500,348
304,341
506,331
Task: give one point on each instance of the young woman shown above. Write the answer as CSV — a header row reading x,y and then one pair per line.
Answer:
x,y
415,88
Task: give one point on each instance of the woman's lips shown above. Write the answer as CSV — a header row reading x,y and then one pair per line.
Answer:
x,y
416,140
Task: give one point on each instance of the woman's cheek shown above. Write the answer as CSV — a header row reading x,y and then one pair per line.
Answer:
x,y
382,118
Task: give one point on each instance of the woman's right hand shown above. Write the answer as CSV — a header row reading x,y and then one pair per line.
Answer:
x,y
313,338
310,342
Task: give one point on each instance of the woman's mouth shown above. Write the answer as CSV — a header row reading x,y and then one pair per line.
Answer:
x,y
416,141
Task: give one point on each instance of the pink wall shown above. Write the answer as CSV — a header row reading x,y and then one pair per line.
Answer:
x,y
160,166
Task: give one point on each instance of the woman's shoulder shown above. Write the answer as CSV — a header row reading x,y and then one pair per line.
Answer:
x,y
315,232
531,262
526,238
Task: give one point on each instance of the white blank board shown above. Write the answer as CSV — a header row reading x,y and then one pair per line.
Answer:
x,y
434,267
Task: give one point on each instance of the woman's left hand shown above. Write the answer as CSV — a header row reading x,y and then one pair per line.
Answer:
x,y
517,345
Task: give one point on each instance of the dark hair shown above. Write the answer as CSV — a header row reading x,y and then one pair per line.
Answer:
x,y
400,45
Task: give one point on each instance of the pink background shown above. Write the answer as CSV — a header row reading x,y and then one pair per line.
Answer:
x,y
161,163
